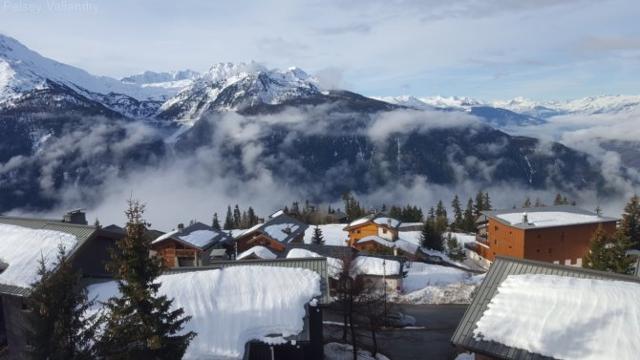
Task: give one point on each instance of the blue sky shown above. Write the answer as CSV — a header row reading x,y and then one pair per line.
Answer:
x,y
489,49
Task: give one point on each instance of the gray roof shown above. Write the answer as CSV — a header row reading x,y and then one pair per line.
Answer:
x,y
556,208
81,232
500,269
282,219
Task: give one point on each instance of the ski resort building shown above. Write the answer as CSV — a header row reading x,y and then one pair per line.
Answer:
x,y
555,234
374,225
189,246
278,230
536,310
23,242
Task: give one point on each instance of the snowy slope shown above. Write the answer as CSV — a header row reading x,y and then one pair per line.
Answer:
x,y
232,306
564,317
21,248
23,70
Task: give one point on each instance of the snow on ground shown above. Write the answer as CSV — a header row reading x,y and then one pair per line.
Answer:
x,y
232,306
332,234
436,284
369,265
259,251
334,266
22,248
549,218
337,351
565,317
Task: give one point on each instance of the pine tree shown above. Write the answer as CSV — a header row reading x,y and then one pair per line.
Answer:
x,y
60,325
527,203
487,202
454,250
558,200
608,253
215,224
237,217
97,224
228,220
630,223
140,323
479,205
469,218
253,219
317,238
430,238
457,213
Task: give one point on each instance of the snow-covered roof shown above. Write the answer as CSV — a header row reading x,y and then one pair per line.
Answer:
x,y
569,312
232,306
257,251
369,265
379,219
197,234
280,227
547,217
564,318
334,266
21,248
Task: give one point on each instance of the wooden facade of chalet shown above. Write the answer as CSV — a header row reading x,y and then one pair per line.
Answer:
x,y
248,241
176,253
278,230
560,243
372,225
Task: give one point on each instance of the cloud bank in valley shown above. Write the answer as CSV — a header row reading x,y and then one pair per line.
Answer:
x,y
178,187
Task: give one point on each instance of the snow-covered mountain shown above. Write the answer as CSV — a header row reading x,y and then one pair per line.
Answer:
x,y
496,116
588,105
174,80
23,70
228,86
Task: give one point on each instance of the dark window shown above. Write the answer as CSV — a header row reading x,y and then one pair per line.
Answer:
x,y
495,228
384,231
549,250
537,250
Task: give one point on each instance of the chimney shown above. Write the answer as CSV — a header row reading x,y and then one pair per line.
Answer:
x,y
75,217
180,227
525,218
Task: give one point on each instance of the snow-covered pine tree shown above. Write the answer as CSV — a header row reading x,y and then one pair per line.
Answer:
x,y
140,323
318,238
59,327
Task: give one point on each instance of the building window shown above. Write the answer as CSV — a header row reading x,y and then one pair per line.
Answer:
x,y
538,251
358,231
495,242
384,231
495,228
550,251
